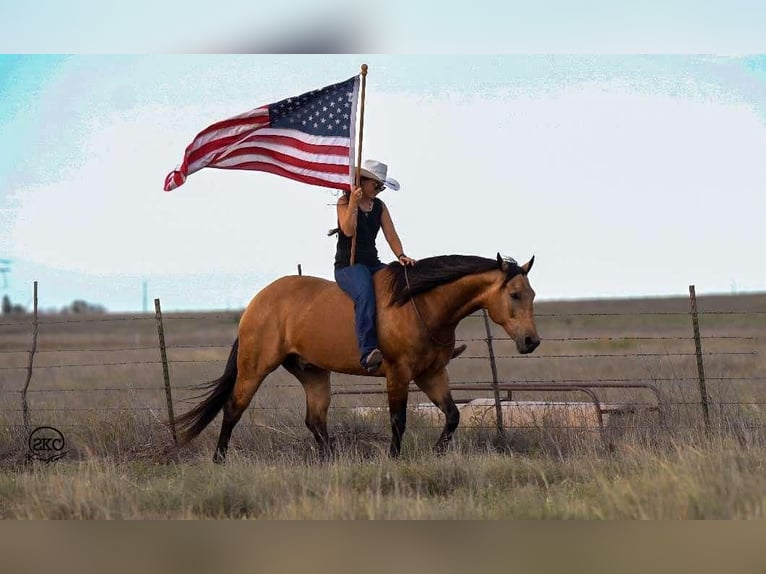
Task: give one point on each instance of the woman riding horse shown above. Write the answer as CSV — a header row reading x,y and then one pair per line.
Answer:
x,y
362,214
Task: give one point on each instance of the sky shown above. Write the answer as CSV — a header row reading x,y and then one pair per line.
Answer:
x,y
625,173
394,26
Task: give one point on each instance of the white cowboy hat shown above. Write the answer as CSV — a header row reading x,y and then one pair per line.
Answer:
x,y
373,169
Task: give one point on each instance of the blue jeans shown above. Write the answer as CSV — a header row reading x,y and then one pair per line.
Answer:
x,y
356,281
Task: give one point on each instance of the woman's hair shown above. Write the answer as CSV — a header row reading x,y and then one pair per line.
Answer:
x,y
346,194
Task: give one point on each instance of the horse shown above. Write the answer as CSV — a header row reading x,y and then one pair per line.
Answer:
x,y
306,324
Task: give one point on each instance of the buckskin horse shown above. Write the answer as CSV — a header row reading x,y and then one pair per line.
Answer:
x,y
306,324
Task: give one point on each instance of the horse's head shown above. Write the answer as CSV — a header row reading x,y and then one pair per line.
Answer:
x,y
510,304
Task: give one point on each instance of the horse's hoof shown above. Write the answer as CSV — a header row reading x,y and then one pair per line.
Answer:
x,y
219,457
440,448
328,452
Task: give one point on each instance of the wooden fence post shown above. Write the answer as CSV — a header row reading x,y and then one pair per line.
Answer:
x,y
493,366
700,366
25,405
165,371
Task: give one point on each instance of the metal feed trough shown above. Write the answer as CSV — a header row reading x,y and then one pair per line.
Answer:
x,y
483,412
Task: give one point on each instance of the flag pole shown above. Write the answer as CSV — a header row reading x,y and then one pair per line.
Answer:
x,y
357,177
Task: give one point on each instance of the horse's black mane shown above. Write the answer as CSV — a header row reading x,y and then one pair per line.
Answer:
x,y
431,272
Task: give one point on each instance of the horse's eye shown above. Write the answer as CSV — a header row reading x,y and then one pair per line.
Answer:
x,y
515,296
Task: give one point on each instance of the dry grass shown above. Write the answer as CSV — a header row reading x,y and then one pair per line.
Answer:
x,y
716,479
121,464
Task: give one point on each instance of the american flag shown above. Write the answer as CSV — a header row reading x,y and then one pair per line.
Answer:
x,y
308,138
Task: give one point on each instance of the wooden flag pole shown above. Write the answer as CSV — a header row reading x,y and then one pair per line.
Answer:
x,y
357,177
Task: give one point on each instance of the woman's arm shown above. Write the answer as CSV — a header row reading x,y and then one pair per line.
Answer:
x,y
347,209
392,237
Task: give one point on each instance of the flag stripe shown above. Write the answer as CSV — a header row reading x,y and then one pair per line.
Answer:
x,y
284,148
213,152
207,153
252,155
241,123
209,140
305,142
227,135
303,176
214,141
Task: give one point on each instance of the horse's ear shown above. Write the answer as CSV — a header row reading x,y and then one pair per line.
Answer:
x,y
526,268
501,264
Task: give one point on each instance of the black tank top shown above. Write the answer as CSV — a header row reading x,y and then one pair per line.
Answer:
x,y
367,227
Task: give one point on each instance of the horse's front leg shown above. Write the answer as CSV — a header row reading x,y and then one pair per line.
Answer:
x,y
397,385
436,388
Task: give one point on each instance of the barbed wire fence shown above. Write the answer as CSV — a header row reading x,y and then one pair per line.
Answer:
x,y
68,368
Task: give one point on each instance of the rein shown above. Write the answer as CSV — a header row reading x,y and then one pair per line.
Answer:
x,y
420,317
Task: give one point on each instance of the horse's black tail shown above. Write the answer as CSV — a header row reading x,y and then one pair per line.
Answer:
x,y
194,422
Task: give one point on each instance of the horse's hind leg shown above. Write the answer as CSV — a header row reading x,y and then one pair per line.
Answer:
x,y
252,369
436,388
316,383
238,401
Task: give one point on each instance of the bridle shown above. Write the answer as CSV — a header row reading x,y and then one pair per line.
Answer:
x,y
420,317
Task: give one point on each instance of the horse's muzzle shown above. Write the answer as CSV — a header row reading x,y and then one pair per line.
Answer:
x,y
529,344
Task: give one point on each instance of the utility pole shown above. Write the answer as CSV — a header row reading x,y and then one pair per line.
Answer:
x,y
5,268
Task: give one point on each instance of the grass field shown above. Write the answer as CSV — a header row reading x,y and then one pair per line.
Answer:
x,y
99,380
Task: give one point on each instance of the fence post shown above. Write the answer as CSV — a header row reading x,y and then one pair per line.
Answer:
x,y
25,405
493,366
300,271
165,371
700,366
